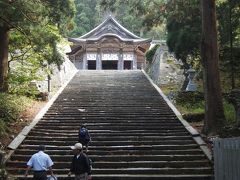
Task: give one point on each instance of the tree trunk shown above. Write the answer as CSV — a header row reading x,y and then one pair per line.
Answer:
x,y
4,41
231,47
214,114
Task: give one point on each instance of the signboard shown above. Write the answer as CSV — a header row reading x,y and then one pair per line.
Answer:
x,y
128,56
109,56
91,56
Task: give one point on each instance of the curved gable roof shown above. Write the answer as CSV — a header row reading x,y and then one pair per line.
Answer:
x,y
109,26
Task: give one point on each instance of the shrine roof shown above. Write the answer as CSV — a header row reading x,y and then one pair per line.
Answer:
x,y
109,28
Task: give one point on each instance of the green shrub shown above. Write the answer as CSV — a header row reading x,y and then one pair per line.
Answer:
x,y
20,84
10,108
3,127
229,112
191,108
190,102
150,53
193,103
190,98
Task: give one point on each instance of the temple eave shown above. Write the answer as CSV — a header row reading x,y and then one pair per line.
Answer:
x,y
131,41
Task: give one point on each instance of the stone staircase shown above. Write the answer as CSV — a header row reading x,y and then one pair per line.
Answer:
x,y
135,134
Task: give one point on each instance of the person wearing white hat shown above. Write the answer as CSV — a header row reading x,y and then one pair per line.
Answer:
x,y
80,165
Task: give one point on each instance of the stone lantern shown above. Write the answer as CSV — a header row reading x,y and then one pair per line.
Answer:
x,y
191,85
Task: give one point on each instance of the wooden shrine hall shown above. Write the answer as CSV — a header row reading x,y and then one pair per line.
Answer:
x,y
109,46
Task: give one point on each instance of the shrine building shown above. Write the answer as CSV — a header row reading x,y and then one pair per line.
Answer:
x,y
109,46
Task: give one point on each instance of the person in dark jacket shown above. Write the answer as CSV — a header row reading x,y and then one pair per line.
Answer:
x,y
80,165
84,136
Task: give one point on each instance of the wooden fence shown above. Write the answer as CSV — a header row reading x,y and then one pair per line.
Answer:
x,y
226,158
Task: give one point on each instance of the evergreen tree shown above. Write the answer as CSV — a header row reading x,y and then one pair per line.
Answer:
x,y
139,16
184,32
229,34
87,16
35,20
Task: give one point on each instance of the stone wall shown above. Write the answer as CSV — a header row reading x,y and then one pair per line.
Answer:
x,y
165,69
58,77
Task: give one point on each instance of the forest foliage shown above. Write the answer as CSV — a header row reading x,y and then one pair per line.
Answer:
x,y
30,31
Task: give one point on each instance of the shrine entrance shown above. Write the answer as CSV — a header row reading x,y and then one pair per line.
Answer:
x,y
92,65
111,65
127,65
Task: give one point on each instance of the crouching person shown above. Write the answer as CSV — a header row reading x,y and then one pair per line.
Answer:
x,y
80,165
40,162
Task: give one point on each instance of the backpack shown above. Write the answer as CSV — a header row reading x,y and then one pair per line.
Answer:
x,y
83,133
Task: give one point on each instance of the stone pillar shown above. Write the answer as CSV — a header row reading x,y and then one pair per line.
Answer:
x,y
191,85
120,59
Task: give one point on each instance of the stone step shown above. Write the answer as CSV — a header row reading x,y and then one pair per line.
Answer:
x,y
121,104
110,143
29,152
110,138
76,106
78,112
110,119
134,177
109,111
108,107
127,158
113,123
122,164
122,128
141,147
150,171
96,133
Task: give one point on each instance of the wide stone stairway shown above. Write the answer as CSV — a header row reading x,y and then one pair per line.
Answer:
x,y
135,134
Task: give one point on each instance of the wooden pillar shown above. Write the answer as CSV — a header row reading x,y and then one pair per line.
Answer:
x,y
120,59
85,66
98,59
134,63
